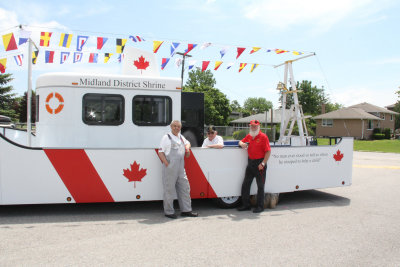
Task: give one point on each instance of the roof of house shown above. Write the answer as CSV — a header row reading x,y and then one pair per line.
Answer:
x,y
348,113
276,118
372,108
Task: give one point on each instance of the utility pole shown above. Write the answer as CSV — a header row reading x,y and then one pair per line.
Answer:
x,y
184,55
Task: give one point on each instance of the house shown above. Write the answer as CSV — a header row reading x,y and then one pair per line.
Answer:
x,y
357,121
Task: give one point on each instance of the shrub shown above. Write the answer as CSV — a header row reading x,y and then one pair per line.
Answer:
x,y
378,136
387,133
239,135
377,131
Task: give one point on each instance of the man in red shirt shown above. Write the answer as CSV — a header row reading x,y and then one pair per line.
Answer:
x,y
258,149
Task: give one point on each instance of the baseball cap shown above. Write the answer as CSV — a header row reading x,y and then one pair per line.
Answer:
x,y
254,122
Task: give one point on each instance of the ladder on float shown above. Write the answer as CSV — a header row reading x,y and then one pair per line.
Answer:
x,y
295,111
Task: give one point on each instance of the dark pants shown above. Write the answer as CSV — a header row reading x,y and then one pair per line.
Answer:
x,y
251,172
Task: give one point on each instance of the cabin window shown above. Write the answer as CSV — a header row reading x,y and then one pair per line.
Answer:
x,y
103,109
151,110
327,122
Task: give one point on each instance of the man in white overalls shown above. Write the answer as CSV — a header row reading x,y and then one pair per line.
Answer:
x,y
173,148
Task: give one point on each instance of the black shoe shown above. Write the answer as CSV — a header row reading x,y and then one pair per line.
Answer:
x,y
243,208
258,210
189,214
171,216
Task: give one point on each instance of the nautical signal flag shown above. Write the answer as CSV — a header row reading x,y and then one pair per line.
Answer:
x,y
255,49
65,40
229,65
120,45
174,46
81,41
297,53
23,37
164,62
107,57
49,56
18,59
205,65
100,42
205,45
241,66
9,42
223,51
3,63
253,67
93,57
45,38
64,57
190,48
120,57
35,56
157,45
280,51
77,57
136,38
240,51
217,64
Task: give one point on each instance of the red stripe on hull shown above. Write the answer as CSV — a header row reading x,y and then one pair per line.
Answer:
x,y
79,175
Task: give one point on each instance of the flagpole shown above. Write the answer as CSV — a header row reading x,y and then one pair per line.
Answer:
x,y
29,95
183,65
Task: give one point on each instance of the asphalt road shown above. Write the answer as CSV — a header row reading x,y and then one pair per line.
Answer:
x,y
351,226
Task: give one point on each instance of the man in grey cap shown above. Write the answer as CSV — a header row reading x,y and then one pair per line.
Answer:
x,y
213,140
173,148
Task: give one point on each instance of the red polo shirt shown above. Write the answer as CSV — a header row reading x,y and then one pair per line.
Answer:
x,y
257,146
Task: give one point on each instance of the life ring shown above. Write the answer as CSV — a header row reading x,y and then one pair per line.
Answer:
x,y
60,103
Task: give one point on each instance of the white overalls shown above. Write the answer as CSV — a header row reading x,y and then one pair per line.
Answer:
x,y
174,178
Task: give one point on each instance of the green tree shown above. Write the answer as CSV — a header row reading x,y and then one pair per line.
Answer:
x,y
7,101
256,105
397,109
216,104
23,107
235,106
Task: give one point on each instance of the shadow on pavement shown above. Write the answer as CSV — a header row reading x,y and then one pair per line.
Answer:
x,y
150,212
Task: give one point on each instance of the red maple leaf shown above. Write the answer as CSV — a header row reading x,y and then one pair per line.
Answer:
x,y
141,64
338,156
134,175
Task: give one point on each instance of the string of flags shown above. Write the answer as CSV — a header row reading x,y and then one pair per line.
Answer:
x,y
73,48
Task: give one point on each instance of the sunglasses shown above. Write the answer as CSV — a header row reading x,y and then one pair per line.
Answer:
x,y
211,133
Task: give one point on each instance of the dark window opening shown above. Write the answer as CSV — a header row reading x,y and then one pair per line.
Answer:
x,y
152,110
102,109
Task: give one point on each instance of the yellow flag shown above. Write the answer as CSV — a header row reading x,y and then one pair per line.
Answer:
x,y
3,63
156,45
217,64
255,49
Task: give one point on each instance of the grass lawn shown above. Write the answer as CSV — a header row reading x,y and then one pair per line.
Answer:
x,y
390,146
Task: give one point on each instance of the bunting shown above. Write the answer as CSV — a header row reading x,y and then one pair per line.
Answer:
x,y
280,51
253,67
107,57
65,40
18,59
81,41
205,65
164,62
100,42
223,51
120,58
120,45
45,38
229,65
3,63
93,57
9,42
190,48
136,38
241,66
174,46
205,45
255,49
240,51
217,64
191,64
77,57
156,45
35,55
64,56
23,37
297,53
49,56
178,62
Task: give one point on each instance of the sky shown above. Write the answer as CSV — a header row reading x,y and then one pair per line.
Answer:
x,y
356,41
